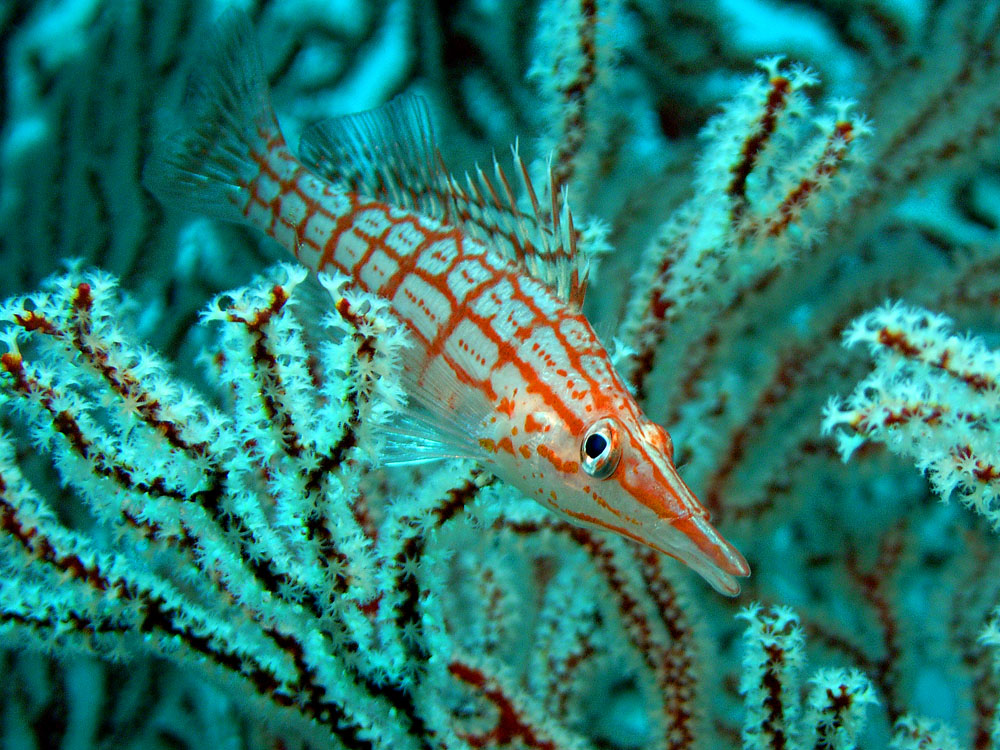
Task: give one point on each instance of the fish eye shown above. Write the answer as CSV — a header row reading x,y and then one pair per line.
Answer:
x,y
601,448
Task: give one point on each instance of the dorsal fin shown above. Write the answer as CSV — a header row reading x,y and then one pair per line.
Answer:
x,y
386,153
543,240
389,154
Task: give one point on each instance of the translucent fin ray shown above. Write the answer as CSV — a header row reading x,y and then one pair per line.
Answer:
x,y
434,424
412,438
386,153
207,167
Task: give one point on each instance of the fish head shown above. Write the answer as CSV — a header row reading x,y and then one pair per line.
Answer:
x,y
616,472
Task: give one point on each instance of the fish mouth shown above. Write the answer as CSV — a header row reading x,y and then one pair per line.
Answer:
x,y
696,543
681,529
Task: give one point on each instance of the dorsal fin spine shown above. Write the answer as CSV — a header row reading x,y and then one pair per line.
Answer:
x,y
482,181
529,189
526,181
558,201
579,285
517,219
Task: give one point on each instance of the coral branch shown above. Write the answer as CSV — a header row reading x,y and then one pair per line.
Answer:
x,y
766,189
931,396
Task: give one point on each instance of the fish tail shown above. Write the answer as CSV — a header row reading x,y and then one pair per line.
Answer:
x,y
210,166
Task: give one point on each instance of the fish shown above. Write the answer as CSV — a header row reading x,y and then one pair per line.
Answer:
x,y
503,367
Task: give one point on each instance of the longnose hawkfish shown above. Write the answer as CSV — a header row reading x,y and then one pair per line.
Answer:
x,y
503,366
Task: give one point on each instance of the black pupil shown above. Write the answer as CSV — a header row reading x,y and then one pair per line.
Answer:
x,y
595,446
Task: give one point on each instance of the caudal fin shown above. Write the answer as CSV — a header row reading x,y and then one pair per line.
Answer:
x,y
209,165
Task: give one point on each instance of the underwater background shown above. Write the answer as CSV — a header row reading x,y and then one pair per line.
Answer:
x,y
186,564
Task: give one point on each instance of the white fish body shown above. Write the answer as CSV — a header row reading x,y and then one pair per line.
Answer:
x,y
504,368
